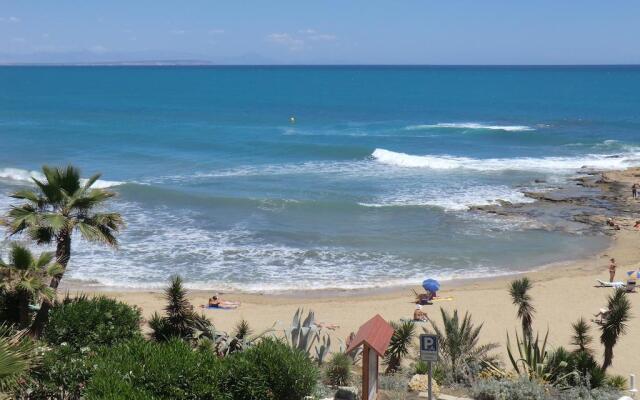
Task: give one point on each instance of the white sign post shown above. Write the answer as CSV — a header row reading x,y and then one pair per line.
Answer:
x,y
429,353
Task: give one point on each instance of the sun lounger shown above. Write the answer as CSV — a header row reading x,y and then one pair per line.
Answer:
x,y
617,284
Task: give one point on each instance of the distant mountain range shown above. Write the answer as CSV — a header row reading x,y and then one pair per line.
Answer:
x,y
133,59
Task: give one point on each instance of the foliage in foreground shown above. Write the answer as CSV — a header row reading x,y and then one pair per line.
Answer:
x,y
62,374
82,321
180,319
61,204
461,354
401,341
615,325
525,389
519,292
338,370
17,355
140,369
25,278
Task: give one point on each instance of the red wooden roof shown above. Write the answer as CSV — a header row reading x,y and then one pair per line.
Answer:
x,y
376,333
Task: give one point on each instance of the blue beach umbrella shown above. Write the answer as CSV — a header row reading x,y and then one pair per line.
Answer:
x,y
431,285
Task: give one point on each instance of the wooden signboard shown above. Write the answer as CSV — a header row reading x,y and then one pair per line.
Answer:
x,y
374,336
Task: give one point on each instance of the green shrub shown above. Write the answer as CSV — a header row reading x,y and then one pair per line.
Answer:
x,y
62,374
616,382
173,370
338,370
421,368
145,370
521,389
82,322
289,373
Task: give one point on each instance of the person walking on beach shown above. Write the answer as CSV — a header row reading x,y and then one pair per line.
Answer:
x,y
612,269
634,190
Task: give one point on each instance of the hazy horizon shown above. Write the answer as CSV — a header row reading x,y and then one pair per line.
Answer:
x,y
328,33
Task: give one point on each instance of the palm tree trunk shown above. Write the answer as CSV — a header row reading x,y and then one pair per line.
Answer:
x,y
608,357
23,309
63,254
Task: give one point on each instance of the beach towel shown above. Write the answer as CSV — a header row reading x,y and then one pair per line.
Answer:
x,y
442,299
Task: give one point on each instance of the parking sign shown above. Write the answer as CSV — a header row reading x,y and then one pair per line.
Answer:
x,y
429,347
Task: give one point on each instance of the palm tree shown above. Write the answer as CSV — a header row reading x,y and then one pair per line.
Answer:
x,y
581,337
17,355
25,277
403,334
459,346
60,205
519,295
615,325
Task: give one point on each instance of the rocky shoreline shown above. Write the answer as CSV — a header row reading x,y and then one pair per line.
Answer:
x,y
582,205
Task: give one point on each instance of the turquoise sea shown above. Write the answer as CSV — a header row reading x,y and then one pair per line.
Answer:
x,y
370,186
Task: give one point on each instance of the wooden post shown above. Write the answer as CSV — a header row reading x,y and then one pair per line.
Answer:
x,y
365,372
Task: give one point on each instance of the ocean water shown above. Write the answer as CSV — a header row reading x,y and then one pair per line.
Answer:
x,y
371,186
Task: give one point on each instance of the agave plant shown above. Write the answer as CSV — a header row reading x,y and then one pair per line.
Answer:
x,y
403,335
531,357
459,345
304,333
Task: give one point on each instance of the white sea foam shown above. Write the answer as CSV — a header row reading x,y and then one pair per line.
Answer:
x,y
470,125
542,164
450,198
24,176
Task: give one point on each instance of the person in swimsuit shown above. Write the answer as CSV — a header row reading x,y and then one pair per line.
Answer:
x,y
419,315
216,302
612,269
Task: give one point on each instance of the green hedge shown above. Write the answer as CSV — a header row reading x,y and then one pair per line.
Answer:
x,y
173,370
92,322
148,370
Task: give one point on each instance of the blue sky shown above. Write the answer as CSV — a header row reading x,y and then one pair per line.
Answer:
x,y
324,31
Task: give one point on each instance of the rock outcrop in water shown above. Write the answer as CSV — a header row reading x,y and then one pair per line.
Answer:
x,y
582,205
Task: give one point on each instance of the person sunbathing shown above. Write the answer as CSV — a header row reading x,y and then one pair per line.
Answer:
x,y
419,315
216,302
601,316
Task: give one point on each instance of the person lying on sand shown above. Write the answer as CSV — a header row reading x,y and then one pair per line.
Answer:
x,y
637,225
419,315
216,302
425,298
327,325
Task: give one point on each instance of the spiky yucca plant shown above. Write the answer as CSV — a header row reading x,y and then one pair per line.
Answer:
x,y
581,338
460,346
615,325
179,319
519,291
403,335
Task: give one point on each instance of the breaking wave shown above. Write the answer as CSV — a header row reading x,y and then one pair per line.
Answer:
x,y
470,125
550,164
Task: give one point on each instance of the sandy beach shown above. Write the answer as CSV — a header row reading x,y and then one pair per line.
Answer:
x,y
562,294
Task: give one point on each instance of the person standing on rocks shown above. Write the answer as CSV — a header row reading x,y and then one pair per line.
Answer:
x,y
634,190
